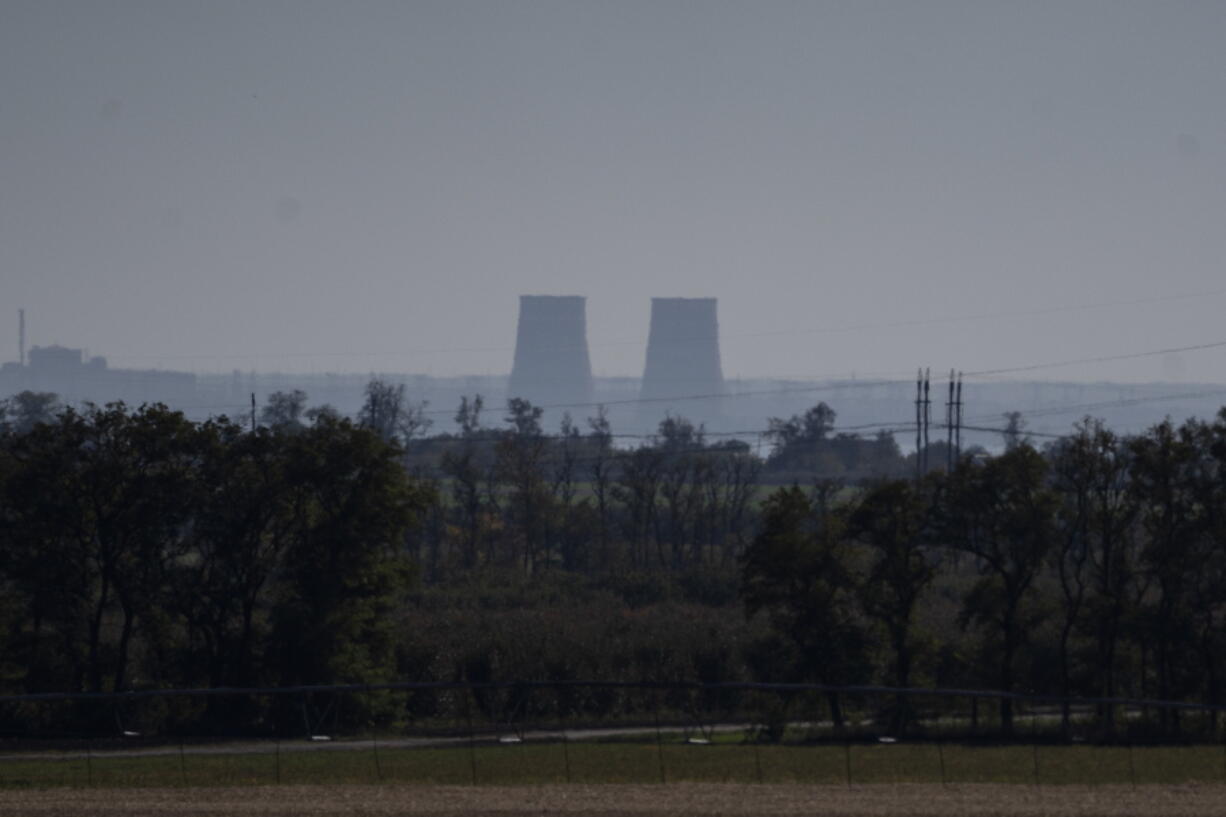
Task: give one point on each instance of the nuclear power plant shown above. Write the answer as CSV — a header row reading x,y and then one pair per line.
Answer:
x,y
552,369
682,349
551,366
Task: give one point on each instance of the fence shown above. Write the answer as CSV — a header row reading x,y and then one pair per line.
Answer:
x,y
522,732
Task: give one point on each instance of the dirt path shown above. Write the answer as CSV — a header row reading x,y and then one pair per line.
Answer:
x,y
627,800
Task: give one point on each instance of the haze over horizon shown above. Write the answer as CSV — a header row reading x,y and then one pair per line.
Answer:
x,y
866,187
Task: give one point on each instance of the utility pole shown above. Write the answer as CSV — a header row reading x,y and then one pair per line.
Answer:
x,y
927,414
253,412
949,426
919,422
958,419
21,335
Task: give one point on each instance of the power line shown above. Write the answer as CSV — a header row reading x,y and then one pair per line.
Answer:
x,y
1218,344
1042,412
845,329
1107,404
709,396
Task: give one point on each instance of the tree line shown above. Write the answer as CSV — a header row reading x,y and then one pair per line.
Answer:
x,y
143,549
1095,567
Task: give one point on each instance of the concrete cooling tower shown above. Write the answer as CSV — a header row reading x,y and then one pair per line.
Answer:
x,y
682,352
551,360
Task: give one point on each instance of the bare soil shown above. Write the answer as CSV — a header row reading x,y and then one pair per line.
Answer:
x,y
610,800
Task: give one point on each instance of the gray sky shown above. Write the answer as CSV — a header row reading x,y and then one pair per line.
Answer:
x,y
358,186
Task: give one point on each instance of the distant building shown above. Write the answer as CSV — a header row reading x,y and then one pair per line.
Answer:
x,y
75,378
683,357
552,367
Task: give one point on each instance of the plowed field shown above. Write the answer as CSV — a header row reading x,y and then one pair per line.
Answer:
x,y
609,800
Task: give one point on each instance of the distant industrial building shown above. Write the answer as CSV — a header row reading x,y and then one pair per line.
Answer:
x,y
77,378
682,376
552,367
682,352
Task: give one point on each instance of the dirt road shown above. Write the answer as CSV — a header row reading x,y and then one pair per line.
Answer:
x,y
625,801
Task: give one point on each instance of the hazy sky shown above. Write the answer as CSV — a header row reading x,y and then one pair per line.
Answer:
x,y
358,186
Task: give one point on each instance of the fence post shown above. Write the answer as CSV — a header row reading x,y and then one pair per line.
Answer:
x,y
757,758
374,743
182,763
847,759
306,718
277,761
472,738
89,762
1034,742
1132,768
566,753
659,739
941,760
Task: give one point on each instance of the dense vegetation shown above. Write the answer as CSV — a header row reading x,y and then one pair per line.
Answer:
x,y
140,549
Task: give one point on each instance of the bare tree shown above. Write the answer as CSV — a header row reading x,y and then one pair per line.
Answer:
x,y
387,412
565,455
738,475
520,464
1014,423
468,415
638,483
601,471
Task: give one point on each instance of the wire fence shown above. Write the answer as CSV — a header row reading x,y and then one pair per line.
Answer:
x,y
580,732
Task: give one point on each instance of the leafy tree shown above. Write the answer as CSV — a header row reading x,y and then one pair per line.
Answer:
x,y
797,572
322,413
1208,486
47,588
1162,465
892,521
284,410
802,447
244,521
679,435
1000,513
525,418
809,429
1094,558
344,562
107,495
24,410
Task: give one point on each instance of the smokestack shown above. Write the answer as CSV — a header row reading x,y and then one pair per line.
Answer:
x,y
551,360
21,335
682,351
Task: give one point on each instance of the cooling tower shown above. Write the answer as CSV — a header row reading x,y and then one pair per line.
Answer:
x,y
551,361
682,351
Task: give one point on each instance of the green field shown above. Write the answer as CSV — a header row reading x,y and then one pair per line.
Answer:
x,y
622,762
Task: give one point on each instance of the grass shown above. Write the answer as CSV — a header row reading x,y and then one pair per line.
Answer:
x,y
541,762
